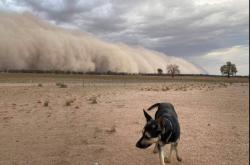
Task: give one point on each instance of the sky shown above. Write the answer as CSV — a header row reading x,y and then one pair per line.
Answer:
x,y
207,33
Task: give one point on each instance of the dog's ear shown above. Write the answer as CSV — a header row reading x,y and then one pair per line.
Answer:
x,y
147,116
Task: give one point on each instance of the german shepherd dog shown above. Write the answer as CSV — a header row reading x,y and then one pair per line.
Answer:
x,y
162,130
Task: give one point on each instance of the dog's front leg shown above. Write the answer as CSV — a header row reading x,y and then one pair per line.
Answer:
x,y
168,158
161,154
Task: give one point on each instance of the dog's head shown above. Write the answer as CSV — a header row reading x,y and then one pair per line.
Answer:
x,y
150,132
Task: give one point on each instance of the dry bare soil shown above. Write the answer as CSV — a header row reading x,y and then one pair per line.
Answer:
x,y
96,120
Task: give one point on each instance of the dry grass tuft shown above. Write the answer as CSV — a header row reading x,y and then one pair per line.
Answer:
x,y
111,130
69,102
93,100
181,88
165,88
61,85
223,85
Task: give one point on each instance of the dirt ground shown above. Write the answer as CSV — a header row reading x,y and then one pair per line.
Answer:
x,y
99,124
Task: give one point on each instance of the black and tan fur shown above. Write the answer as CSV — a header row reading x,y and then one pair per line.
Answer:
x,y
162,130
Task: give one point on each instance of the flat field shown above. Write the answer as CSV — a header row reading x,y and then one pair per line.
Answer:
x,y
48,119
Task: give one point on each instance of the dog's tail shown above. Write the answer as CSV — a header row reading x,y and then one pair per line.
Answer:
x,y
154,106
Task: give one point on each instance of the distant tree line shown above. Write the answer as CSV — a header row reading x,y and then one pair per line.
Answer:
x,y
229,69
171,69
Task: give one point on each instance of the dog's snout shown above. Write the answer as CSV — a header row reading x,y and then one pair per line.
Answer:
x,y
141,144
137,145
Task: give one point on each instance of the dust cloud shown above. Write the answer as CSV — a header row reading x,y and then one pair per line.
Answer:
x,y
29,43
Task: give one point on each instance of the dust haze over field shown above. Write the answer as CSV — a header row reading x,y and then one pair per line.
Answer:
x,y
28,43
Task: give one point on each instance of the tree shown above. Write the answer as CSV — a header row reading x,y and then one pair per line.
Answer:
x,y
229,69
159,71
173,69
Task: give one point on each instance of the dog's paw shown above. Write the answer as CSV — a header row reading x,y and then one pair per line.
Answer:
x,y
179,159
167,160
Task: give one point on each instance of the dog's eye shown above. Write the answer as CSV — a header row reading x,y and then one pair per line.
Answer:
x,y
147,135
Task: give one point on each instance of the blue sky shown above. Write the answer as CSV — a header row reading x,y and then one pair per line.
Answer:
x,y
205,32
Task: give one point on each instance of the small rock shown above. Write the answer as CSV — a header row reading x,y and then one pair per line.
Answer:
x,y
46,103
